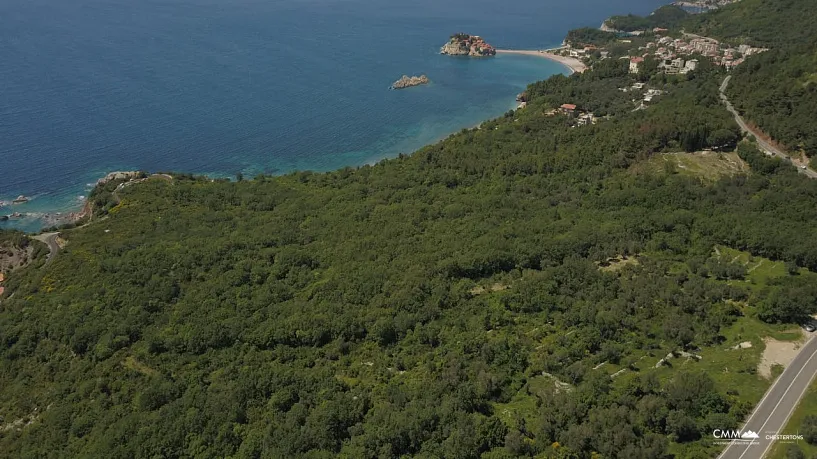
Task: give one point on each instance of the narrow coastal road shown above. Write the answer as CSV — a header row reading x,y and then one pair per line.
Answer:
x,y
49,239
764,145
772,413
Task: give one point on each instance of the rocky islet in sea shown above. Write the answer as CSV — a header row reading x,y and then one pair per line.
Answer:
x,y
407,81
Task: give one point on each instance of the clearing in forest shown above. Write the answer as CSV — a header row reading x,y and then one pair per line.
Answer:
x,y
616,264
709,165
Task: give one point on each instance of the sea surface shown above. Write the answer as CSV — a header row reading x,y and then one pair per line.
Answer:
x,y
219,87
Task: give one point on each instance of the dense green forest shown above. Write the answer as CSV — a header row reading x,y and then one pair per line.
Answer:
x,y
669,16
589,36
460,302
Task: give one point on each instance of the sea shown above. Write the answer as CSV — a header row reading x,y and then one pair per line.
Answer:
x,y
221,87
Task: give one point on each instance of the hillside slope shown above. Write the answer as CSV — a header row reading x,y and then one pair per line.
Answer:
x,y
458,302
777,90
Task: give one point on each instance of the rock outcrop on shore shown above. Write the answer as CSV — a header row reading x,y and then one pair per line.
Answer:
x,y
407,81
119,175
605,27
462,44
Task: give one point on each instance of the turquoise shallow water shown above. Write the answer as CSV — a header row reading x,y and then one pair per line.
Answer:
x,y
220,87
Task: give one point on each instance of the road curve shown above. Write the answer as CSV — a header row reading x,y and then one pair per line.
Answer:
x,y
773,411
764,145
49,239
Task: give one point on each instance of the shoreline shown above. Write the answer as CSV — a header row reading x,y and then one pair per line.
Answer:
x,y
571,63
44,220
78,211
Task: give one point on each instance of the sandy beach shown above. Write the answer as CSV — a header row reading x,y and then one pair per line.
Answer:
x,y
572,63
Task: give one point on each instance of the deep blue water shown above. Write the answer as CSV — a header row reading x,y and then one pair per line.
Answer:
x,y
220,87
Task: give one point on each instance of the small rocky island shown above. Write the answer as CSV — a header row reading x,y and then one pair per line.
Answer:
x,y
407,82
462,44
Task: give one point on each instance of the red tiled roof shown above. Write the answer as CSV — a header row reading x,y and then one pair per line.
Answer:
x,y
636,60
568,107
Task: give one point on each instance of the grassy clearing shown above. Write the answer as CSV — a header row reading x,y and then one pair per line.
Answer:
x,y
523,403
705,164
807,406
735,369
131,363
731,368
616,264
495,287
759,271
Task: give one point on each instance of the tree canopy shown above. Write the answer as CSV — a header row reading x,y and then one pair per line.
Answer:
x,y
458,302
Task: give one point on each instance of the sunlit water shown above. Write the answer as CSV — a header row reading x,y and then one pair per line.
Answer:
x,y
220,87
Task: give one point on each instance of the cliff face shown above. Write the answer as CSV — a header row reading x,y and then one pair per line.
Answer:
x,y
454,49
467,45
605,27
407,82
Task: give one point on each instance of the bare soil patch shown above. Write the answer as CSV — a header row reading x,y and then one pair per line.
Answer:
x,y
12,257
777,353
617,263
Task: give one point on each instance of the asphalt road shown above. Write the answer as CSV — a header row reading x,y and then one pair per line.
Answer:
x,y
51,240
775,408
764,145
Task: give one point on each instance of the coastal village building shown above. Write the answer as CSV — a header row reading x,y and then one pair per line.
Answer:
x,y
673,66
669,50
583,118
568,109
691,65
651,94
586,119
634,63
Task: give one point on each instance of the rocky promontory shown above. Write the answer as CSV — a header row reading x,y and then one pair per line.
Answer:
x,y
407,81
462,44
119,175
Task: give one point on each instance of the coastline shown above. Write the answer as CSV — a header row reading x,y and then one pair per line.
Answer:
x,y
571,63
35,220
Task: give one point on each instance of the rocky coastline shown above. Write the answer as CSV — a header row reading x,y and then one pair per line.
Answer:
x,y
55,219
407,81
462,44
120,175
